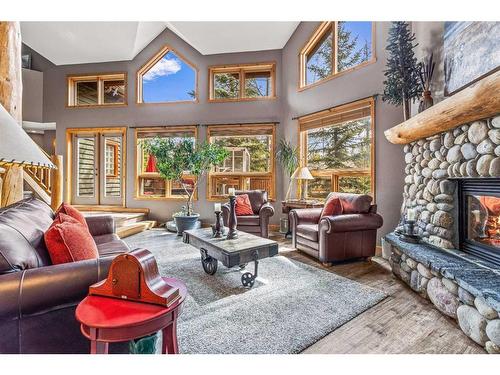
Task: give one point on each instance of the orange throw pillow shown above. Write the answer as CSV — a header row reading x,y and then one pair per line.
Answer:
x,y
68,209
332,206
68,240
243,206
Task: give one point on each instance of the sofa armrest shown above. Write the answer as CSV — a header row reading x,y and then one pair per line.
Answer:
x,y
306,215
43,289
100,224
266,210
350,223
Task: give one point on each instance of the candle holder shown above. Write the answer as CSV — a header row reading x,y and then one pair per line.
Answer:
x,y
409,234
217,229
231,222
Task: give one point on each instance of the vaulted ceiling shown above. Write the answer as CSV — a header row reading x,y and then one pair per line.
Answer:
x,y
91,42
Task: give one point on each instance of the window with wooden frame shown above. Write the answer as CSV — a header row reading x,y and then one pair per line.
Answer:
x,y
336,47
338,147
250,164
97,90
242,82
167,78
149,184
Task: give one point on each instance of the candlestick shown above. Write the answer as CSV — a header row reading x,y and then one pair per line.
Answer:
x,y
217,228
232,234
217,207
231,192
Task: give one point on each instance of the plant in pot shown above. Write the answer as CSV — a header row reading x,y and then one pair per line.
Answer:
x,y
177,158
288,156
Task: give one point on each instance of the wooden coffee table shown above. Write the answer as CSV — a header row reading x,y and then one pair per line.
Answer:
x,y
237,252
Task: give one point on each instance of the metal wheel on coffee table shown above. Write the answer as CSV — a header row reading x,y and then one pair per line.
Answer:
x,y
209,264
247,279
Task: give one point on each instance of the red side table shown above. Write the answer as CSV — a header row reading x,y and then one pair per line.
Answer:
x,y
104,320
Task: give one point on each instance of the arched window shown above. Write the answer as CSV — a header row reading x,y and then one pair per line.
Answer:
x,y
167,78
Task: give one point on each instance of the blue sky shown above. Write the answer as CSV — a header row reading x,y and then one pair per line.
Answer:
x,y
169,80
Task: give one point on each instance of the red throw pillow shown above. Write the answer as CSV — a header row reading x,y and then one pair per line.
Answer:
x,y
68,240
243,206
68,209
332,206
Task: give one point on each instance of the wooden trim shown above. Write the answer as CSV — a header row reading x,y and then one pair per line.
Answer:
x,y
149,64
98,131
241,70
334,174
72,79
270,174
475,102
103,208
165,129
311,43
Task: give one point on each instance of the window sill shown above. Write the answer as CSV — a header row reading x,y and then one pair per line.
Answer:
x,y
97,105
169,103
242,99
179,199
340,74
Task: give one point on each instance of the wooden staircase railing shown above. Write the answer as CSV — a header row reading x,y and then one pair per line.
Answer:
x,y
47,183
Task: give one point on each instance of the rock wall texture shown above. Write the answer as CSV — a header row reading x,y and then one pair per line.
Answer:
x,y
479,321
471,150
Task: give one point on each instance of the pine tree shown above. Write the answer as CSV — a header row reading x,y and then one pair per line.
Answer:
x,y
401,84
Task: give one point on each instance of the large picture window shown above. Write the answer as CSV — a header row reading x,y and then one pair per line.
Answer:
x,y
97,90
167,78
338,148
149,184
334,48
242,82
250,164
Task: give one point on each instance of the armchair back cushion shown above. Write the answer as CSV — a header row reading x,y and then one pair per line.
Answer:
x,y
257,198
243,205
22,226
353,203
69,241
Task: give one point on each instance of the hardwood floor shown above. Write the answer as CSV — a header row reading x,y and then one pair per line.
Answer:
x,y
403,323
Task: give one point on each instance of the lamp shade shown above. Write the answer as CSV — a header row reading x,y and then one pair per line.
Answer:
x,y
16,146
302,173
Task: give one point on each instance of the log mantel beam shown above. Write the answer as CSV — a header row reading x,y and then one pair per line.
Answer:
x,y
476,102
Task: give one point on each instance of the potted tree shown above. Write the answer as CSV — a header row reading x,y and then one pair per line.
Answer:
x,y
175,159
288,156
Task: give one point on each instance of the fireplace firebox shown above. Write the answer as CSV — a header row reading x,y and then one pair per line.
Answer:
x,y
479,217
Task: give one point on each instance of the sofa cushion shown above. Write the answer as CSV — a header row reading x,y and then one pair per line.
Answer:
x,y
106,238
248,220
309,231
353,203
243,206
114,247
68,209
22,226
332,207
69,241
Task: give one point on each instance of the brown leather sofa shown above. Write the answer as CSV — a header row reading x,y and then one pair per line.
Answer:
x,y
337,238
37,299
258,223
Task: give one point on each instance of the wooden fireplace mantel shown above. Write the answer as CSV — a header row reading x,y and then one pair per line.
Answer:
x,y
475,102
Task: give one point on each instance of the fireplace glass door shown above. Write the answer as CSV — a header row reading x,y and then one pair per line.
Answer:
x,y
483,213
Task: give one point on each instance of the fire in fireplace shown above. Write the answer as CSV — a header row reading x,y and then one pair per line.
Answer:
x,y
479,217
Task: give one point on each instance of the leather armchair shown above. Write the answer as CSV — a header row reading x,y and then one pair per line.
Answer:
x,y
38,299
258,223
337,238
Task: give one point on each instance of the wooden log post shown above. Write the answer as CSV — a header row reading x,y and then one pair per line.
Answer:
x,y
11,90
57,178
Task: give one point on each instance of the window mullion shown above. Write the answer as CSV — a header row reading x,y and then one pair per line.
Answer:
x,y
335,48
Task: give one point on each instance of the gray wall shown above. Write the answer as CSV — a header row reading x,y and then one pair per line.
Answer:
x,y
290,103
358,84
157,114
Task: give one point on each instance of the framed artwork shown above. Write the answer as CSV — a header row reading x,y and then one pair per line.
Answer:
x,y
471,52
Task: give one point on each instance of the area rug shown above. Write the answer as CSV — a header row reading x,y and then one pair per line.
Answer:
x,y
290,307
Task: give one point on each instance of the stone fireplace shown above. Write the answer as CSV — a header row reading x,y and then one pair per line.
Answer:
x,y
453,183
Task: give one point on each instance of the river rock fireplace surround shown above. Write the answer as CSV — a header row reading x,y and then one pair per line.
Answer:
x,y
453,183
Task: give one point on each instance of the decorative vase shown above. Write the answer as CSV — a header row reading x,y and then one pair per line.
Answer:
x,y
184,222
426,101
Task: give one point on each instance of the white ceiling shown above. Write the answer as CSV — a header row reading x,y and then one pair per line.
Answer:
x,y
90,42
210,38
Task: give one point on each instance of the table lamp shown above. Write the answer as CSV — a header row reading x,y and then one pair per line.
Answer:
x,y
302,174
